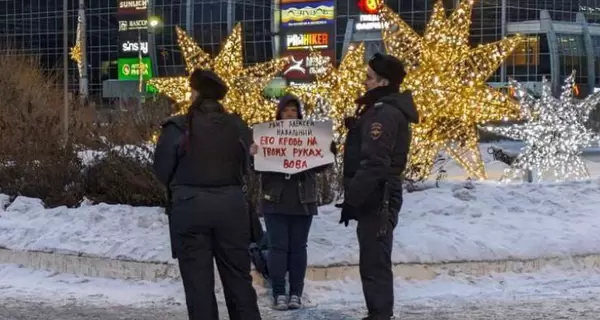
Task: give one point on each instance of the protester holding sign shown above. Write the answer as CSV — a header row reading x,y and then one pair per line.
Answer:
x,y
289,153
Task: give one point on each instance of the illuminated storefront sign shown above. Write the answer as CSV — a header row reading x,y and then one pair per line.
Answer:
x,y
129,68
368,6
369,22
318,40
135,4
125,25
306,26
306,14
369,19
132,7
303,68
132,17
134,47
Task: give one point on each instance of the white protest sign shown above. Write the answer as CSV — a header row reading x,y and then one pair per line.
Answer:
x,y
292,146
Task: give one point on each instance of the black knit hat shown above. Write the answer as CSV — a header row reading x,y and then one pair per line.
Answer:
x,y
388,67
208,84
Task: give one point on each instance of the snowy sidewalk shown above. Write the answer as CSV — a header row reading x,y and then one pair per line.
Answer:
x,y
548,309
453,223
30,294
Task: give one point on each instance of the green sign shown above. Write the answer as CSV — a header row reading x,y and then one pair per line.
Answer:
x,y
129,68
276,88
151,89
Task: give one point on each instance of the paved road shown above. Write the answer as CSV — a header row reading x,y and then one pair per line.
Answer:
x,y
546,309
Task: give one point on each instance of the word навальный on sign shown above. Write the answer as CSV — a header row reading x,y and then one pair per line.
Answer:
x,y
292,146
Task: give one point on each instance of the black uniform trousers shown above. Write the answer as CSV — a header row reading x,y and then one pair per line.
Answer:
x,y
375,263
209,225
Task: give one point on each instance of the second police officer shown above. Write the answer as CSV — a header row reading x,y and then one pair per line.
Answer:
x,y
375,156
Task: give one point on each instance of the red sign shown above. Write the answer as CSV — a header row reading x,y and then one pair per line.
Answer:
x,y
368,6
303,68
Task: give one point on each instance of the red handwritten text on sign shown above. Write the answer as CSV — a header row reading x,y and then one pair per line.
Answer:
x,y
292,146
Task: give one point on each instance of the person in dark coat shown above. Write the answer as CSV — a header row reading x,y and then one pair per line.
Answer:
x,y
200,159
288,203
375,156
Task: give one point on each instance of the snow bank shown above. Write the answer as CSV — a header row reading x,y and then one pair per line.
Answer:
x,y
496,222
452,223
489,222
113,231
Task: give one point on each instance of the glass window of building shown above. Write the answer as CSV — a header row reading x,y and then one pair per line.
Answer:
x,y
34,27
573,56
596,44
530,61
590,9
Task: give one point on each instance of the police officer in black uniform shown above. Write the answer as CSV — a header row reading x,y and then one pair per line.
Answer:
x,y
200,158
375,156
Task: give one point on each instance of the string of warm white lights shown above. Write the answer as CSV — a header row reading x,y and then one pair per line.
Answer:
x,y
245,84
554,134
336,89
447,79
76,51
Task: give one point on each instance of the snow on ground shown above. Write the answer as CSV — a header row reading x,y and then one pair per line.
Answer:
x,y
112,231
21,283
491,221
16,281
452,223
4,201
144,153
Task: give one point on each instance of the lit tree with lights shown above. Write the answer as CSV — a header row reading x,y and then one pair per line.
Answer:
x,y
335,90
554,134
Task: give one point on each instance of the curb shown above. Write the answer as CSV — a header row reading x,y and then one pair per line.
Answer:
x,y
133,270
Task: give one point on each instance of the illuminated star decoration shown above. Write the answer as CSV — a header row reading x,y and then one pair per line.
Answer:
x,y
76,53
246,85
554,134
336,88
447,79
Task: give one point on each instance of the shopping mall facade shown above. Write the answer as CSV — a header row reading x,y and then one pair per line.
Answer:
x,y
562,35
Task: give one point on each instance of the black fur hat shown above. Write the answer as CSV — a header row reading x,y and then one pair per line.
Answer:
x,y
208,84
388,67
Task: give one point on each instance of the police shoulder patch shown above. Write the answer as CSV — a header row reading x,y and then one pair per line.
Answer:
x,y
376,130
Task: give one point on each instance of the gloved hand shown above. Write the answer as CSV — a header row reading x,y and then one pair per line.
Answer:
x,y
348,213
333,148
349,122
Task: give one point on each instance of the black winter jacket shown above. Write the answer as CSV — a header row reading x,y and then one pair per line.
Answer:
x,y
377,148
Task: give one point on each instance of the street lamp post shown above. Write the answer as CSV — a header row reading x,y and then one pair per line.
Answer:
x,y
153,22
65,72
83,77
140,62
